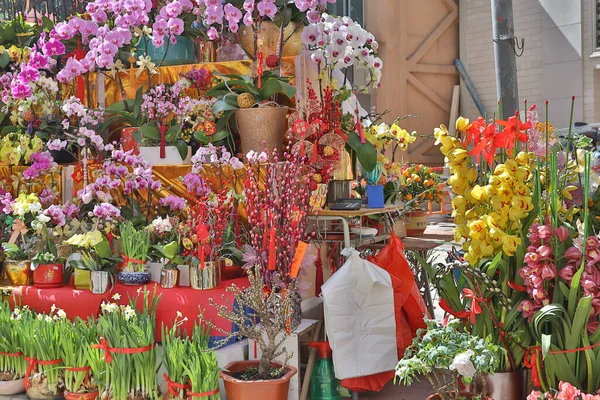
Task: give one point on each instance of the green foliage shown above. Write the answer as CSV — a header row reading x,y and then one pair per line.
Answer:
x,y
11,339
78,338
135,244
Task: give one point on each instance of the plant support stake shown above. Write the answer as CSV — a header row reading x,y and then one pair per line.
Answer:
x,y
505,57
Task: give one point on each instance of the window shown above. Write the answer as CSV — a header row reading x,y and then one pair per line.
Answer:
x,y
351,8
597,26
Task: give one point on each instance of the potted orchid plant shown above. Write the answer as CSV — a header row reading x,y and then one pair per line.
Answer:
x,y
165,251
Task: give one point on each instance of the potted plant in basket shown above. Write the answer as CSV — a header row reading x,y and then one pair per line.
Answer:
x,y
12,364
254,102
78,338
262,378
127,348
447,355
164,251
96,259
168,256
135,244
42,347
47,267
192,369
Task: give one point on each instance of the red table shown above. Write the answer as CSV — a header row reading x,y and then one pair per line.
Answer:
x,y
82,303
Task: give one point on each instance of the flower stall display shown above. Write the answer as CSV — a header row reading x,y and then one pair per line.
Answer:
x,y
565,391
447,355
255,103
79,381
13,365
192,370
135,245
126,348
42,348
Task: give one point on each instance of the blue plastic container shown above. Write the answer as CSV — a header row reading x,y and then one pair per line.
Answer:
x,y
375,196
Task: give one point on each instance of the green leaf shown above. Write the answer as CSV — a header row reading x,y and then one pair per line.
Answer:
x,y
225,105
137,106
288,89
366,153
546,343
270,88
9,129
182,148
4,59
150,131
172,134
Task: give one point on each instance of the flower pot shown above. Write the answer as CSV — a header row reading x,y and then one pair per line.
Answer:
x,y
417,223
18,272
155,269
81,396
81,279
274,389
39,390
262,124
268,39
466,395
133,278
172,156
503,385
62,156
48,276
99,281
205,278
183,52
9,388
169,278
318,197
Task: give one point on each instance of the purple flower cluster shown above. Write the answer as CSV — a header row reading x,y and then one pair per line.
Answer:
x,y
57,215
195,184
47,197
168,24
6,201
106,211
217,13
161,101
173,203
40,163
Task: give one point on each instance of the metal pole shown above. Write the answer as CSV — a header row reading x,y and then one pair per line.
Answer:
x,y
504,54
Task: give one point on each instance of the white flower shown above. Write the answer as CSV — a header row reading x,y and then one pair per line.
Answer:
x,y
463,365
263,157
53,308
40,317
43,218
179,314
48,318
161,225
61,314
116,297
310,34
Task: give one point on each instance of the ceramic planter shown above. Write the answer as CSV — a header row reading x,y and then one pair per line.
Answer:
x,y
99,281
81,396
273,389
81,279
47,276
417,223
18,272
172,156
183,52
133,278
262,128
9,388
169,278
503,385
62,156
205,278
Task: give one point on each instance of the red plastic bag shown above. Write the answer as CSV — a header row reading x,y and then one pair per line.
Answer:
x,y
409,309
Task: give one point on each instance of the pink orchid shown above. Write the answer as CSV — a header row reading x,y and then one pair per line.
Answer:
x,y
266,8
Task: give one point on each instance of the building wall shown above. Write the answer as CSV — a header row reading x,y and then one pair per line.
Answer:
x,y
555,64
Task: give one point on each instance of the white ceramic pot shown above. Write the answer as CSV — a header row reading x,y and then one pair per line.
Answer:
x,y
172,156
9,388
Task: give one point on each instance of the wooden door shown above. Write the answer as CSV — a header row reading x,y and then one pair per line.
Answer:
x,y
418,44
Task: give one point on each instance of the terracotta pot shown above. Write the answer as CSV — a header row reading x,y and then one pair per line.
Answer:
x,y
18,272
9,388
262,124
268,39
274,389
81,396
48,276
503,385
417,223
206,278
169,278
466,395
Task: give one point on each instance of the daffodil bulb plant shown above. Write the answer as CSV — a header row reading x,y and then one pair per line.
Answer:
x,y
191,366
135,244
446,355
78,338
42,347
12,363
131,370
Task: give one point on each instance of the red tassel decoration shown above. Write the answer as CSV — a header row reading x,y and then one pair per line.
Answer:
x,y
259,69
315,154
163,130
272,249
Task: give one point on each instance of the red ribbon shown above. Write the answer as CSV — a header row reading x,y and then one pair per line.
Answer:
x,y
163,130
457,314
517,287
259,69
172,387
127,260
11,354
475,308
109,350
205,394
81,369
32,366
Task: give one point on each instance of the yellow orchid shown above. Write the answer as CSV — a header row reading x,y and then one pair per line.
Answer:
x,y
14,53
462,124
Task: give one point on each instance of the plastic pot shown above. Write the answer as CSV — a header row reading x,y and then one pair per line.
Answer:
x,y
48,276
272,389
